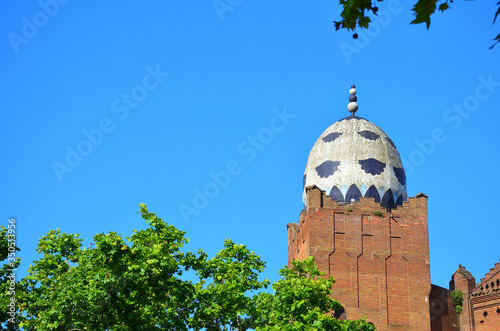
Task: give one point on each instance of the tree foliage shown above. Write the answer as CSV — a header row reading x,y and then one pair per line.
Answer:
x,y
356,13
458,298
301,302
140,284
113,285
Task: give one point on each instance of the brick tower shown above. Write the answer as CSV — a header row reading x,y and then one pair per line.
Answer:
x,y
362,229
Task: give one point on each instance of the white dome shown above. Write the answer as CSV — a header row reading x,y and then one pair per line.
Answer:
x,y
354,158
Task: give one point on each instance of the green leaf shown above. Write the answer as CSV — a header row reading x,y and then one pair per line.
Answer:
x,y
443,6
364,22
422,10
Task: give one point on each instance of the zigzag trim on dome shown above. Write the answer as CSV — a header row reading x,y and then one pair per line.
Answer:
x,y
319,198
388,199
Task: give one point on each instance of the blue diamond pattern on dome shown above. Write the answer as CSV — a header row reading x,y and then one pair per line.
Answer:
x,y
369,135
331,137
353,193
373,192
390,142
388,199
400,175
336,194
327,168
372,166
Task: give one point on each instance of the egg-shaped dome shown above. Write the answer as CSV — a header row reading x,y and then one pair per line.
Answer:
x,y
354,158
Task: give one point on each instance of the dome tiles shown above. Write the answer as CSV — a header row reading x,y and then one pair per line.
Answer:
x,y
354,158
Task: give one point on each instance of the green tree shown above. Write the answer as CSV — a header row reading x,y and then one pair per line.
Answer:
x,y
140,284
301,302
356,13
226,283
112,286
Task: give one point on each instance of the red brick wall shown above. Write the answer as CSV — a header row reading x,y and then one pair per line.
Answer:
x,y
380,263
486,312
444,316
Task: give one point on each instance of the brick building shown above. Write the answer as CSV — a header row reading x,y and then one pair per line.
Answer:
x,y
364,231
481,306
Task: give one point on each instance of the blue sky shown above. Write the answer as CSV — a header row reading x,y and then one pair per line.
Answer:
x,y
109,104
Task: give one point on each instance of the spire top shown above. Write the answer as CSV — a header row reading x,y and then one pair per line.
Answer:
x,y
352,106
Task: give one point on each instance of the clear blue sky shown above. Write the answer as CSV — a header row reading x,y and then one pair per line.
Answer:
x,y
158,97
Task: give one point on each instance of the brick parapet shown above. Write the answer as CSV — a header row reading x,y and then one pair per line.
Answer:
x,y
494,273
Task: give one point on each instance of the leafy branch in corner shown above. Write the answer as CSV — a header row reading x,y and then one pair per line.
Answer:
x,y
356,13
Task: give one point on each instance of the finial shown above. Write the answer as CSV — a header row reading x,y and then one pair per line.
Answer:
x,y
352,106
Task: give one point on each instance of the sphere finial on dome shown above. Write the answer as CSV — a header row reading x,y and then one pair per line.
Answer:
x,y
352,106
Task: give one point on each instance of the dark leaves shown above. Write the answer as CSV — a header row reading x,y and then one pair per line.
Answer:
x,y
339,24
497,39
354,14
423,10
364,21
443,6
498,12
496,42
